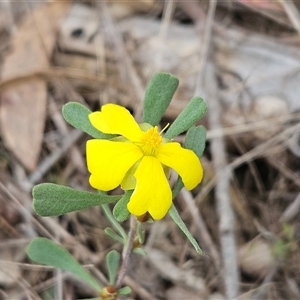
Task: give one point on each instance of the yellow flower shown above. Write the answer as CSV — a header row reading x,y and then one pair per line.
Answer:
x,y
139,159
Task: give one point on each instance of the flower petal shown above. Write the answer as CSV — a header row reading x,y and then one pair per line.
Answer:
x,y
115,119
109,161
152,193
184,161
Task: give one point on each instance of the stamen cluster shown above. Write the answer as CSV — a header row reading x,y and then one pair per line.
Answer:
x,y
151,139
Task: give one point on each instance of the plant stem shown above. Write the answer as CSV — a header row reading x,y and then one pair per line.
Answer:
x,y
113,221
127,251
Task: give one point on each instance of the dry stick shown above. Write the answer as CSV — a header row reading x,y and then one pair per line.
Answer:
x,y
291,211
260,293
61,232
168,270
9,23
205,46
252,167
128,67
163,30
37,224
143,293
101,65
192,9
203,234
60,123
61,72
41,286
223,174
258,151
127,251
293,287
292,12
285,171
16,203
50,160
249,127
225,212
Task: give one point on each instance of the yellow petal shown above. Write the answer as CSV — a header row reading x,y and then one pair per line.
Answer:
x,y
152,193
184,161
115,119
109,161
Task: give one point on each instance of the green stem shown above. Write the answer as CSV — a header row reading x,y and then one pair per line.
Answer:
x,y
113,221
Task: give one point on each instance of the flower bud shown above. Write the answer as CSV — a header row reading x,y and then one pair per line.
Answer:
x,y
136,243
144,218
109,293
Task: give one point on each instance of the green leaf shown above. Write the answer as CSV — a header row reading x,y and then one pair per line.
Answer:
x,y
124,290
114,235
140,251
177,187
177,219
44,251
114,222
195,139
158,96
112,262
77,115
53,200
120,211
195,110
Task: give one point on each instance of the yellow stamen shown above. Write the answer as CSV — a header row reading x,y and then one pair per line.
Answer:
x,y
150,140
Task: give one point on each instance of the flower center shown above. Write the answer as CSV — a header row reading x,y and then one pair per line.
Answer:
x,y
150,140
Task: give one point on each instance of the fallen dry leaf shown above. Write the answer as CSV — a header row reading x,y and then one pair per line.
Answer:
x,y
23,105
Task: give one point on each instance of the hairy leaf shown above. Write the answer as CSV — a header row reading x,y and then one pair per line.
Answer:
x,y
158,96
44,251
120,211
194,111
53,200
77,115
195,139
112,262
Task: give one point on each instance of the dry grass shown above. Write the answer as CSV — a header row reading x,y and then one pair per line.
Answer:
x,y
245,212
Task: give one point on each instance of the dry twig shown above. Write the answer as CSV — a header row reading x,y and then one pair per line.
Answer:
x,y
292,12
223,174
206,76
202,232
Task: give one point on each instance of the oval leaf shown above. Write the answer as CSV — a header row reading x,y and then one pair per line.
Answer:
x,y
112,262
53,200
195,139
158,96
120,211
46,252
194,111
126,290
114,235
77,115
